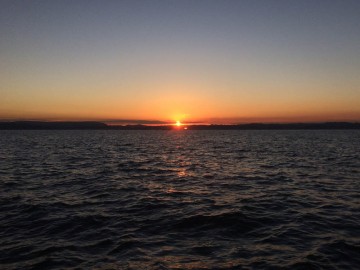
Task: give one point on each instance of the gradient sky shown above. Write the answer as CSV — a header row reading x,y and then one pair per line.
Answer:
x,y
207,61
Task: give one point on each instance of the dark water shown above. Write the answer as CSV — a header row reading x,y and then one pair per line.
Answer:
x,y
180,199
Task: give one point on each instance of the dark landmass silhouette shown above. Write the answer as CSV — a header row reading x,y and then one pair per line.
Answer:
x,y
88,125
52,125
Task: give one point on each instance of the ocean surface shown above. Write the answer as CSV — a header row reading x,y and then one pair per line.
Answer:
x,y
180,199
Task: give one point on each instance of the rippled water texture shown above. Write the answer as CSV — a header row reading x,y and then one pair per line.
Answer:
x,y
180,199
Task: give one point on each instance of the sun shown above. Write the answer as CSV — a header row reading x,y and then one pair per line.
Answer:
x,y
178,123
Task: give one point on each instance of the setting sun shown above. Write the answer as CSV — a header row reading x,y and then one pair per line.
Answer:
x,y
178,123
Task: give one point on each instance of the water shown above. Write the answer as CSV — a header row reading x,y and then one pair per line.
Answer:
x,y
180,199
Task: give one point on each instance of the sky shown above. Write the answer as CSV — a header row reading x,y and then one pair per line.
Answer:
x,y
190,61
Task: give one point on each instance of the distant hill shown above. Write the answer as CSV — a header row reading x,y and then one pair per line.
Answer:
x,y
52,125
88,125
263,126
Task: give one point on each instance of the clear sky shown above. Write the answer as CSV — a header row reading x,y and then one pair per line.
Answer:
x,y
206,61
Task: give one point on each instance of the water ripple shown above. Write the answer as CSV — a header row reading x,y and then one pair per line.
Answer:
x,y
179,200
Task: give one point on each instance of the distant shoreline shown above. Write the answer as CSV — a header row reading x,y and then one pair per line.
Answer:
x,y
91,125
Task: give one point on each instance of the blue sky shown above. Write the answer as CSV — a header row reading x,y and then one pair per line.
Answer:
x,y
188,60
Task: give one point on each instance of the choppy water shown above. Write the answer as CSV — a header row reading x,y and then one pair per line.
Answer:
x,y
180,199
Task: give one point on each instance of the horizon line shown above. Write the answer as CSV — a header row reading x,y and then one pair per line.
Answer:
x,y
159,123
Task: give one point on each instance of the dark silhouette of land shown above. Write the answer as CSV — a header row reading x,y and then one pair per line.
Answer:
x,y
52,125
88,125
